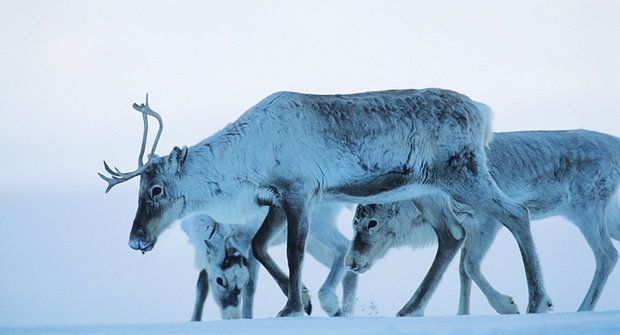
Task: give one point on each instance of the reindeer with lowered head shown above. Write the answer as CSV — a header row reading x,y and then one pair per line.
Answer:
x,y
228,266
294,150
575,174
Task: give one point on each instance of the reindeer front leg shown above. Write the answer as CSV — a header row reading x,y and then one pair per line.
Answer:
x,y
447,248
297,216
202,289
250,288
273,224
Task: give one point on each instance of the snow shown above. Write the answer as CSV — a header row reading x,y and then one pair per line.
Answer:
x,y
553,323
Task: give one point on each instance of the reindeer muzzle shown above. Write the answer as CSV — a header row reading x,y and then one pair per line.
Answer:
x,y
138,240
356,266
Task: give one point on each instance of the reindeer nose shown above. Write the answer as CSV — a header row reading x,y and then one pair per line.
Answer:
x,y
137,239
134,244
353,265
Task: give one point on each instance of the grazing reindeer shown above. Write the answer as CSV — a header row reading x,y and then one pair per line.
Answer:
x,y
294,150
225,266
416,223
575,174
223,254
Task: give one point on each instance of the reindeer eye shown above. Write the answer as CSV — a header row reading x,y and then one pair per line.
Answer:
x,y
220,281
372,224
156,190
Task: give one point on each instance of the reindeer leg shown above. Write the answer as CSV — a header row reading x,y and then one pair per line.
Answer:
x,y
480,236
349,282
441,218
483,195
591,223
349,292
465,292
273,224
327,245
296,214
250,288
202,289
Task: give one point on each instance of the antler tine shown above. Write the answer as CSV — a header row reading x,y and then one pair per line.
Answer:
x,y
145,109
111,181
116,172
110,171
119,177
145,133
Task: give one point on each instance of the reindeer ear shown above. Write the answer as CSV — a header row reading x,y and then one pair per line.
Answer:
x,y
230,243
210,247
177,157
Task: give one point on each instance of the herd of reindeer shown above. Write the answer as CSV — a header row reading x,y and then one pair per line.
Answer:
x,y
422,166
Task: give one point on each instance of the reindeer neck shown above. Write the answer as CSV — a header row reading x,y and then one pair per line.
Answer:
x,y
219,182
415,234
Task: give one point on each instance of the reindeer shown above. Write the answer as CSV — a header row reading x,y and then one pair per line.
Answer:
x,y
293,150
227,265
575,174
224,265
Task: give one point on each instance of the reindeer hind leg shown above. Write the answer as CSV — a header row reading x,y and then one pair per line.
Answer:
x,y
480,236
591,223
481,193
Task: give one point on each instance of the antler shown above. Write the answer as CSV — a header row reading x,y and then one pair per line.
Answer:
x,y
146,110
117,176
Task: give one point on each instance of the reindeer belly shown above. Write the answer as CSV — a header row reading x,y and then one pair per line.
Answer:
x,y
542,203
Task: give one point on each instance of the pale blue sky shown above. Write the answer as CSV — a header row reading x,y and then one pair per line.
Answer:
x,y
71,70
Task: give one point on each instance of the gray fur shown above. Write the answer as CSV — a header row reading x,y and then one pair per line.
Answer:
x,y
294,150
575,174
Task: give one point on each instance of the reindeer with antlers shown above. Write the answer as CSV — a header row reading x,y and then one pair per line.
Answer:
x,y
292,151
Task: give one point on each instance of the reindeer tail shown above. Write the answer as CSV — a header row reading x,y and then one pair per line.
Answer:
x,y
613,208
613,217
487,112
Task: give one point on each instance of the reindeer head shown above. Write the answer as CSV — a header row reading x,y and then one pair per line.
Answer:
x,y
375,228
160,201
229,274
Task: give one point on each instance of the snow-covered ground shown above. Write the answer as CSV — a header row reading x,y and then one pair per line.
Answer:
x,y
548,324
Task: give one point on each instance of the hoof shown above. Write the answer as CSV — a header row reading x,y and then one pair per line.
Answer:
x,y
506,306
305,298
290,312
406,312
329,302
542,305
